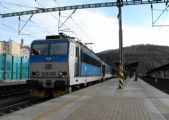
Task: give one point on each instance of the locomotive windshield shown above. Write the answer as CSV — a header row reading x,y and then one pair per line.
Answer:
x,y
40,49
51,48
58,48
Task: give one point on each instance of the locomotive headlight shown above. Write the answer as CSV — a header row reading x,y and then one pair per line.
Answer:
x,y
64,73
61,74
33,73
37,73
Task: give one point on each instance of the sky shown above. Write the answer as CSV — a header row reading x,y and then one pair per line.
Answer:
x,y
98,26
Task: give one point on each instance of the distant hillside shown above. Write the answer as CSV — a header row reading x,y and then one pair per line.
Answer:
x,y
148,56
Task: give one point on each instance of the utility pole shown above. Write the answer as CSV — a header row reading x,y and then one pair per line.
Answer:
x,y
121,67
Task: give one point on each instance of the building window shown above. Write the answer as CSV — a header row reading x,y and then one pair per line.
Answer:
x,y
4,48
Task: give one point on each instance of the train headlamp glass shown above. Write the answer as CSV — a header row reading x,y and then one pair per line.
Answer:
x,y
37,73
33,73
60,73
64,73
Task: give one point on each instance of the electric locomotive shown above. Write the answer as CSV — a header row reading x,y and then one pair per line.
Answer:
x,y
60,62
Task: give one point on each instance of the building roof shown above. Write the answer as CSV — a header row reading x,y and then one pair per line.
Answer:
x,y
4,41
161,68
26,47
130,65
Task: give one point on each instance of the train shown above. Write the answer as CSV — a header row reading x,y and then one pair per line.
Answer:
x,y
61,62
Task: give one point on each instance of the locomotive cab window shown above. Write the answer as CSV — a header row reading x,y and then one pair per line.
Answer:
x,y
39,49
59,48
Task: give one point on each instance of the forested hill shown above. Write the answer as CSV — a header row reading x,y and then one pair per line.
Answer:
x,y
148,56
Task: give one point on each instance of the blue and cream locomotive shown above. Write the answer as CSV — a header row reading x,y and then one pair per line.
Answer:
x,y
60,62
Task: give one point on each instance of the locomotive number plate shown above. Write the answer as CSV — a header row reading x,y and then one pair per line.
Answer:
x,y
48,73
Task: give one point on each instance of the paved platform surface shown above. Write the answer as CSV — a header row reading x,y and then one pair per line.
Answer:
x,y
12,82
137,101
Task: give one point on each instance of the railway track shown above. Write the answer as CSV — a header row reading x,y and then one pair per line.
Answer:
x,y
24,101
162,87
20,104
155,82
16,93
9,91
13,103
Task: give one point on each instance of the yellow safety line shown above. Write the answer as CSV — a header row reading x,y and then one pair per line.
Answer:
x,y
53,110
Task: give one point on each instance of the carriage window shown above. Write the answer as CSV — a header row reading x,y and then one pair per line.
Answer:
x,y
39,49
88,59
59,48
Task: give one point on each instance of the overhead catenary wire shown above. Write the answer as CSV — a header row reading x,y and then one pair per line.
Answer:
x,y
58,19
78,26
59,22
160,26
16,4
78,31
67,18
55,17
164,33
19,5
161,14
20,29
35,22
40,26
12,28
49,13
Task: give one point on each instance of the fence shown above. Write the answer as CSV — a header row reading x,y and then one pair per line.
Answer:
x,y
13,67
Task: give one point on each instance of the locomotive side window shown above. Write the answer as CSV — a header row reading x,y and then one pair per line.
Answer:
x,y
39,49
87,59
59,48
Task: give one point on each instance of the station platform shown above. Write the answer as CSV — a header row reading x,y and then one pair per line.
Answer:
x,y
12,82
103,101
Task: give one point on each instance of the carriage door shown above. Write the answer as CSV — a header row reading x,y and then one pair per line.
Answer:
x,y
77,62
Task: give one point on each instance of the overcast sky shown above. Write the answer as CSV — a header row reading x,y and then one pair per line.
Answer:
x,y
99,26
